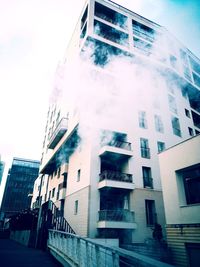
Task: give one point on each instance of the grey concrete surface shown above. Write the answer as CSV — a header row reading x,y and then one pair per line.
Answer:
x,y
12,254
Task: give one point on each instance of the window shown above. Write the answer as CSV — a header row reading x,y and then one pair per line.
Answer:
x,y
57,195
195,66
187,113
196,119
53,192
176,126
59,172
110,15
110,33
150,212
144,146
196,79
143,31
161,146
158,124
190,181
143,46
49,194
197,132
147,179
142,119
78,175
172,103
191,132
76,207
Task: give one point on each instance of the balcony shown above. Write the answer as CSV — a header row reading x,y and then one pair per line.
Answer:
x,y
117,150
58,133
120,218
115,179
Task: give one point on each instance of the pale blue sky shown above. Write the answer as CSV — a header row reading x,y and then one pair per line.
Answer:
x,y
34,36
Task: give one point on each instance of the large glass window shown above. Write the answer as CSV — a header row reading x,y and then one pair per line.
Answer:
x,y
176,126
110,33
150,212
144,146
143,46
110,15
147,179
142,119
161,146
195,66
143,31
191,183
158,124
172,103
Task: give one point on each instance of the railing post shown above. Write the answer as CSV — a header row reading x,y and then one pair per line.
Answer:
x,y
89,260
115,259
78,251
98,255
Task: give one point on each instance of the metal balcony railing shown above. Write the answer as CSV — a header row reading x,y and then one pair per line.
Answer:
x,y
115,176
120,144
58,132
119,215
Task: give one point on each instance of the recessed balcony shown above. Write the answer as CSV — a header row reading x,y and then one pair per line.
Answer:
x,y
115,179
120,218
58,133
116,149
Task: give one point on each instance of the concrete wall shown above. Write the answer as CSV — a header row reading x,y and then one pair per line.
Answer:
x,y
21,237
79,221
138,206
179,157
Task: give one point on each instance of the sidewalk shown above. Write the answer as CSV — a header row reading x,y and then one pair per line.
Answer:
x,y
13,254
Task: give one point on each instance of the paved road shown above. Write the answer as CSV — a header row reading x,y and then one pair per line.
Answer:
x,y
12,254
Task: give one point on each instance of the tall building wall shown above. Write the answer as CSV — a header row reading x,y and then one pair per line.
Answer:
x,y
126,90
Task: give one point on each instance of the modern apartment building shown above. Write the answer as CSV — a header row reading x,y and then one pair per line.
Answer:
x,y
180,175
135,91
19,185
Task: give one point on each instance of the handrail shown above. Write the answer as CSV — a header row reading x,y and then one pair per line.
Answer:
x,y
119,215
79,251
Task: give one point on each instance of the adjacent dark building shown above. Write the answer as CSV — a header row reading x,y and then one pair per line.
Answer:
x,y
19,185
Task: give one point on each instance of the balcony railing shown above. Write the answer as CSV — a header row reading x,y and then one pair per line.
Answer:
x,y
115,176
119,215
58,133
120,144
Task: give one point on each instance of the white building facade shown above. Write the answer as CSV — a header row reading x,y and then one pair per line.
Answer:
x,y
180,175
136,93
